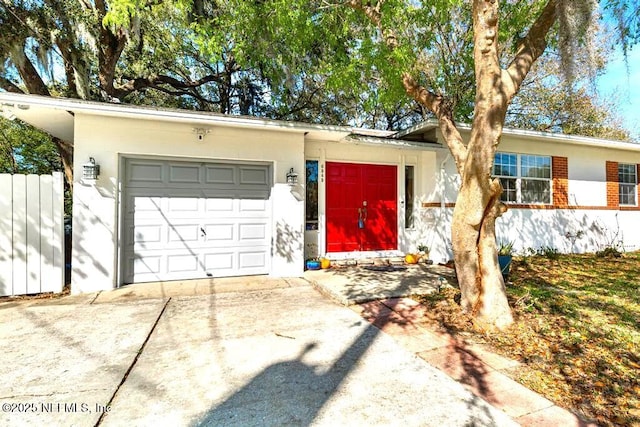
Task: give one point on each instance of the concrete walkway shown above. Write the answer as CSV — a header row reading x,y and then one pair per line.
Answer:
x,y
379,295
478,369
355,285
256,351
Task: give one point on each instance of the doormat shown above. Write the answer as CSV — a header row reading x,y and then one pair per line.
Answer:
x,y
385,267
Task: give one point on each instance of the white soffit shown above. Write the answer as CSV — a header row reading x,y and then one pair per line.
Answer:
x,y
56,122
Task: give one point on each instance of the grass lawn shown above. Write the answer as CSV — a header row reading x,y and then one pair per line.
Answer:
x,y
577,331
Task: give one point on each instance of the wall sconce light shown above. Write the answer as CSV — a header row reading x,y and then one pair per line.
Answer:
x,y
292,177
91,170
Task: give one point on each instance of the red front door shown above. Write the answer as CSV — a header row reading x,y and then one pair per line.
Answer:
x,y
361,207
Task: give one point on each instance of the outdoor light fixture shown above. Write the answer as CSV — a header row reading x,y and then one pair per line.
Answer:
x,y
292,177
90,170
200,133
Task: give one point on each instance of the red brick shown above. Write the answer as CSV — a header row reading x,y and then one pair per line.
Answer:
x,y
410,309
613,190
560,171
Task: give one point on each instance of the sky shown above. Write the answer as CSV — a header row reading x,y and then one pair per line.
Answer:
x,y
625,84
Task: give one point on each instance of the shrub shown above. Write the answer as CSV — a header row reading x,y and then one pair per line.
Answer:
x,y
609,252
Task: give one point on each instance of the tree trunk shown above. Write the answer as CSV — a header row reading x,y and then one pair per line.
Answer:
x,y
65,149
475,254
478,204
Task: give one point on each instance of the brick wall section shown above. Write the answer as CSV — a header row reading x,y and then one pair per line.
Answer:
x,y
613,190
560,175
638,186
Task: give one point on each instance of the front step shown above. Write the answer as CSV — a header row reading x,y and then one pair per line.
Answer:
x,y
371,261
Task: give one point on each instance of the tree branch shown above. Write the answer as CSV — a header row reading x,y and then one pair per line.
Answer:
x,y
529,49
29,74
372,12
438,106
155,82
435,103
9,86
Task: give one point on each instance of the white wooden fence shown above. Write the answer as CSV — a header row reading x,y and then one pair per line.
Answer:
x,y
31,234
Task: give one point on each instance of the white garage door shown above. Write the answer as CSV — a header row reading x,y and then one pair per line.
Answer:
x,y
187,220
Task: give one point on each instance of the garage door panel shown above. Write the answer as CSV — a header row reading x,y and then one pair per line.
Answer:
x,y
221,174
184,173
253,205
217,205
143,205
150,265
252,259
254,176
219,232
183,205
220,263
145,173
183,263
147,234
252,232
184,234
206,219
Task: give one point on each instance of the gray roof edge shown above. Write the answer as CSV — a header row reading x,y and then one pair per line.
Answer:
x,y
95,107
572,139
533,134
392,142
426,125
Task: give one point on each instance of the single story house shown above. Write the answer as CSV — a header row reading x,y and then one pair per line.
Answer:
x,y
183,194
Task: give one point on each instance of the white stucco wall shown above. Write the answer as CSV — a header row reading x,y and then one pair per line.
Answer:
x,y
96,250
96,211
568,230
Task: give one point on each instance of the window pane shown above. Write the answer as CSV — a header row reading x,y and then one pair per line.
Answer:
x,y
505,164
508,190
535,166
312,195
408,196
535,191
627,194
627,173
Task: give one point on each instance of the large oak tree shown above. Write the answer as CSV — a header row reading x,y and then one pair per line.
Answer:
x,y
499,72
409,44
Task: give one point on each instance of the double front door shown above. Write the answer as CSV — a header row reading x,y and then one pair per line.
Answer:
x,y
361,207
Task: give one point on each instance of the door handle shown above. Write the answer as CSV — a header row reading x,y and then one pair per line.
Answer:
x,y
362,216
204,233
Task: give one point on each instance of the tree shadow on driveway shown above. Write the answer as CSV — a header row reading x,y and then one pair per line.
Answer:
x,y
299,392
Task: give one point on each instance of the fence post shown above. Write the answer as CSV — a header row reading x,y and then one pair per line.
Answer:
x,y
6,235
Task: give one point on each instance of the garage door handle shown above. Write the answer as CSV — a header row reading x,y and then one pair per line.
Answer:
x,y
204,233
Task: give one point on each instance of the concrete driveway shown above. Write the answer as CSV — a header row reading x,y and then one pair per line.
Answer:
x,y
253,351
